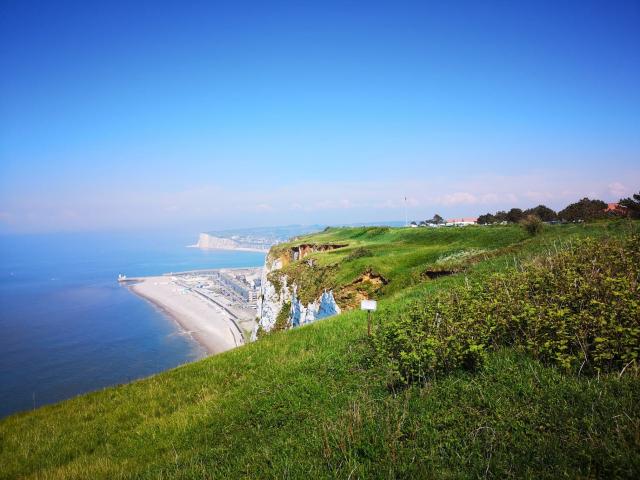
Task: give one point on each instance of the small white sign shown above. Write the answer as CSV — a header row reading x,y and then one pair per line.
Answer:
x,y
368,305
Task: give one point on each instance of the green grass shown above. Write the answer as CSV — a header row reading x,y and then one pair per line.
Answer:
x,y
307,403
402,255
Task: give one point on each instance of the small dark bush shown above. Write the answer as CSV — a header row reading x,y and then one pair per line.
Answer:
x,y
359,252
578,309
532,224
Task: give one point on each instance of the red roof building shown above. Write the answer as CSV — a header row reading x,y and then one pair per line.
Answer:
x,y
616,208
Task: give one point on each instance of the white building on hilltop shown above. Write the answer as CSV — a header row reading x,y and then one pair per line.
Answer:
x,y
461,222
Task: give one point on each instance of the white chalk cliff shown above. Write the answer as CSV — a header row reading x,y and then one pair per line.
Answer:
x,y
206,241
272,301
324,307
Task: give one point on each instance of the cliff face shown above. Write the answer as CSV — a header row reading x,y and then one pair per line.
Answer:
x,y
271,299
325,306
207,241
277,295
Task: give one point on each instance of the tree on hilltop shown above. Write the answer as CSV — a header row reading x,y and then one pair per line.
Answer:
x,y
500,216
632,204
584,210
543,212
436,220
515,215
486,219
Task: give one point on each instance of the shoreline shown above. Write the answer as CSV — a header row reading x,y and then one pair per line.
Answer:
x,y
238,249
205,321
174,318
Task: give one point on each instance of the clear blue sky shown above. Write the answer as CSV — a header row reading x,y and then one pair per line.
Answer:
x,y
203,115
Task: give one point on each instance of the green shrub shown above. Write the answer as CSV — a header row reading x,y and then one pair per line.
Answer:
x,y
578,308
532,224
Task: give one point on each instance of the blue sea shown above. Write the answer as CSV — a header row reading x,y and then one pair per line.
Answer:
x,y
67,327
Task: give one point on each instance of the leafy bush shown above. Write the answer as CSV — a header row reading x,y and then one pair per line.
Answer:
x,y
578,308
532,224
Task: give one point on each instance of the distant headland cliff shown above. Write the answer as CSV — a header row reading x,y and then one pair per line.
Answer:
x,y
207,241
252,239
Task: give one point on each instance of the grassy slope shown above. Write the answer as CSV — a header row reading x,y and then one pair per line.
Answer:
x,y
401,256
305,403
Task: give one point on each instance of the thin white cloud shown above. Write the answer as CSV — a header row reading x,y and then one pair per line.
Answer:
x,y
458,198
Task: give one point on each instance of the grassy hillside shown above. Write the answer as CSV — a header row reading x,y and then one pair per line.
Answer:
x,y
312,402
375,262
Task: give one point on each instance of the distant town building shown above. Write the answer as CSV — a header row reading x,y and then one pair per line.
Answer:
x,y
461,222
238,284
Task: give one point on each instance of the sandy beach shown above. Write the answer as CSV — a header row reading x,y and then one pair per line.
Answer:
x,y
209,324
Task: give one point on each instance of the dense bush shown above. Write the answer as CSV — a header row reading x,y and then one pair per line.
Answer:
x,y
632,205
515,215
543,212
486,219
577,308
583,211
532,224
359,252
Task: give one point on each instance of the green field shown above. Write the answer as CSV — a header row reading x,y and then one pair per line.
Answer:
x,y
313,402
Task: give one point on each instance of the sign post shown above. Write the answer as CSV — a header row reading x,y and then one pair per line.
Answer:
x,y
369,306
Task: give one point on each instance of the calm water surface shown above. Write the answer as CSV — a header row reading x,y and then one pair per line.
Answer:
x,y
67,326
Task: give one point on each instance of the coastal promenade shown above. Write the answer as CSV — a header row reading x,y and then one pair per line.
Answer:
x,y
210,298
198,304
